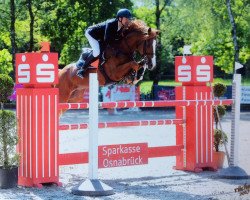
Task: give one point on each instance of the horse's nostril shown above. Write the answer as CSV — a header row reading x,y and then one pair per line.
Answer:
x,y
150,65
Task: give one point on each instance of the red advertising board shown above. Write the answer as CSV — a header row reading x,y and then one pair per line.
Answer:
x,y
121,155
194,70
37,69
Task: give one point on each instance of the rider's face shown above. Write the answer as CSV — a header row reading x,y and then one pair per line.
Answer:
x,y
125,21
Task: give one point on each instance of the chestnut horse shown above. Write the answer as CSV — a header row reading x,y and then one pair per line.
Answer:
x,y
118,63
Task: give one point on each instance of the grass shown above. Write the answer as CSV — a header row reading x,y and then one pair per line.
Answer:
x,y
145,86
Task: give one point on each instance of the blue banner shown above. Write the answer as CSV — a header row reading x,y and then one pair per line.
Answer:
x,y
164,92
168,93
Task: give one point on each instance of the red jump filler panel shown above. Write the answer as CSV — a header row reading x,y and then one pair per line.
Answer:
x,y
37,118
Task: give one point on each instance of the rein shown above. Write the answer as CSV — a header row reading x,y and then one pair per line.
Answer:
x,y
145,53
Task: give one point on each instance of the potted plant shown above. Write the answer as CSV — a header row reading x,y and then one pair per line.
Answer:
x,y
219,156
219,136
8,137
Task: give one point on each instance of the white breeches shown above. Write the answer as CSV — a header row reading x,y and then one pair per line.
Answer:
x,y
93,43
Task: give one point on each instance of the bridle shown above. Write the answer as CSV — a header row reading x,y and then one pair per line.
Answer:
x,y
144,61
145,53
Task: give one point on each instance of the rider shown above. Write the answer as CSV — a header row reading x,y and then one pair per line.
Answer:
x,y
103,33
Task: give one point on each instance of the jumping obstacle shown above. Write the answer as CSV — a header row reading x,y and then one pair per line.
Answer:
x,y
38,119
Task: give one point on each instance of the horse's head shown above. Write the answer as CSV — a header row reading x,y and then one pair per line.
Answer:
x,y
141,38
147,48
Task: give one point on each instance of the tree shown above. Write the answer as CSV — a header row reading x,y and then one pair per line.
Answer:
x,y
13,34
143,11
32,19
158,12
233,32
65,22
205,25
6,85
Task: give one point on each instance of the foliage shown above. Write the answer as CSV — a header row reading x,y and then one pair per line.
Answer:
x,y
8,139
206,26
5,62
61,22
219,89
221,111
211,31
66,21
6,86
146,14
218,140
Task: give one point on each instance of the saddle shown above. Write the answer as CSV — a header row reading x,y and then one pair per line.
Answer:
x,y
95,64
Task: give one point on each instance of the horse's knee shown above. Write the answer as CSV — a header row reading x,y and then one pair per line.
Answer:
x,y
135,66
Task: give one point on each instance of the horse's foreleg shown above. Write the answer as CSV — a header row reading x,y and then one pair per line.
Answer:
x,y
64,95
127,67
140,74
124,68
76,96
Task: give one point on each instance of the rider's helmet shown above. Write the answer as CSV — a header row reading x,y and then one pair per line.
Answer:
x,y
124,13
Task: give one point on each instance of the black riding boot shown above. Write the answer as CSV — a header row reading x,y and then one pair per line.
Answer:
x,y
88,61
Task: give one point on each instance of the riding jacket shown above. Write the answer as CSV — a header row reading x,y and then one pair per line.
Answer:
x,y
106,32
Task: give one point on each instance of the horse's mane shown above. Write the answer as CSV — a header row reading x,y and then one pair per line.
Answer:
x,y
137,26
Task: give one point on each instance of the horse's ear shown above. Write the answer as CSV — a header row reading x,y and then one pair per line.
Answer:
x,y
149,31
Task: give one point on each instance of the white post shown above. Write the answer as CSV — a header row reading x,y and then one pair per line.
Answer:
x,y
92,186
93,126
234,171
236,95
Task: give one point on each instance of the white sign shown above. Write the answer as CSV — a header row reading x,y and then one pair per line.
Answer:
x,y
184,73
245,94
119,93
203,73
23,73
45,73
